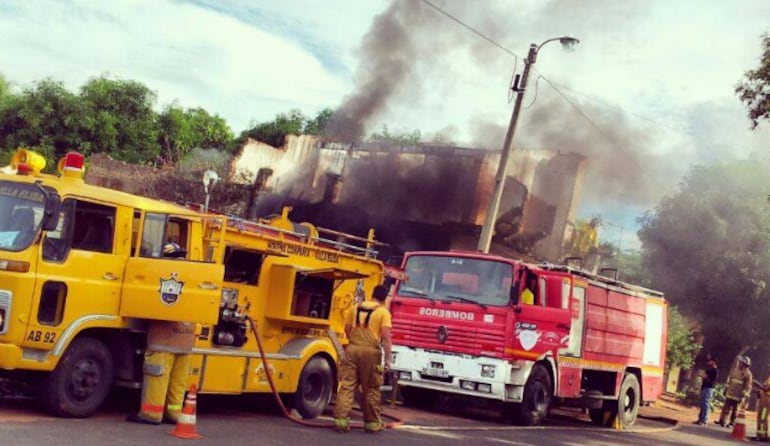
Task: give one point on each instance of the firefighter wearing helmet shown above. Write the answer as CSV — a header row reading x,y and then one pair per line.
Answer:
x,y
737,390
166,360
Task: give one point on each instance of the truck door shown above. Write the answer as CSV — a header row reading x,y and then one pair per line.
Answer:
x,y
80,271
569,377
543,321
166,282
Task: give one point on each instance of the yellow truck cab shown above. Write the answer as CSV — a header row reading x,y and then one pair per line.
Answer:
x,y
295,281
81,268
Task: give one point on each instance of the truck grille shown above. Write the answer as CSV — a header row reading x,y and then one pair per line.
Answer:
x,y
467,339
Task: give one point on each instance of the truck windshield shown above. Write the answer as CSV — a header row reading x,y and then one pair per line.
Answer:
x,y
21,213
485,282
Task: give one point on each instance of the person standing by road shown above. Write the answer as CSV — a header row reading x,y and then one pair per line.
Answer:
x,y
736,390
367,326
709,377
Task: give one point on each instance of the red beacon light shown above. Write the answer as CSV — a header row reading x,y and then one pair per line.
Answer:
x,y
23,169
71,166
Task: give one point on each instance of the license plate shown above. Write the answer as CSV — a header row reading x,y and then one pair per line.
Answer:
x,y
439,373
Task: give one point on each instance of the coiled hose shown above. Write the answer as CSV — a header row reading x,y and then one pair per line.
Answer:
x,y
396,421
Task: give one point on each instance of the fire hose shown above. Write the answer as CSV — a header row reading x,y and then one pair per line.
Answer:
x,y
397,422
269,374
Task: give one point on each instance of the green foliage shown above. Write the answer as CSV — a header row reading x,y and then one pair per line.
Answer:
x,y
41,118
316,126
108,115
119,119
682,346
179,131
754,89
708,248
407,139
292,123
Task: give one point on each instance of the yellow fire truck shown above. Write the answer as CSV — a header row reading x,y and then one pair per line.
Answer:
x,y
82,270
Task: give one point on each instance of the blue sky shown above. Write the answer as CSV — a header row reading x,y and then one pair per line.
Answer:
x,y
650,85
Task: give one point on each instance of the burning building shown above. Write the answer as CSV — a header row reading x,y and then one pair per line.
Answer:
x,y
426,196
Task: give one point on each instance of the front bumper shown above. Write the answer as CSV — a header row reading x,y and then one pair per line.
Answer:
x,y
9,356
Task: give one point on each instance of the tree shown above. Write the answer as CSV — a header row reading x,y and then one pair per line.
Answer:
x,y
682,346
754,89
119,119
180,131
708,249
44,117
408,139
108,115
274,132
317,125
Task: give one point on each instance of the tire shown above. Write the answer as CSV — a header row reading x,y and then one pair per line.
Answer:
x,y
536,401
417,397
629,399
315,388
81,381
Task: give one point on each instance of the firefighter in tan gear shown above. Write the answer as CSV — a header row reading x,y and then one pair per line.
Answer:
x,y
737,390
166,367
763,407
367,326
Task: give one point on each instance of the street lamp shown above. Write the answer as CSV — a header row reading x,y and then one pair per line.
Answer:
x,y
486,231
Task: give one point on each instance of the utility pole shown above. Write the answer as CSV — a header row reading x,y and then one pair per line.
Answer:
x,y
494,204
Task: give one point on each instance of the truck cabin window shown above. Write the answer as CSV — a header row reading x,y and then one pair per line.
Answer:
x,y
487,282
82,226
165,236
21,214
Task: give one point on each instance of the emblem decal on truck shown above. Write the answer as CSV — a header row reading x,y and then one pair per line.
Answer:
x,y
442,334
170,289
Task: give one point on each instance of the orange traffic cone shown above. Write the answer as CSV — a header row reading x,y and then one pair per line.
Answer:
x,y
739,430
185,426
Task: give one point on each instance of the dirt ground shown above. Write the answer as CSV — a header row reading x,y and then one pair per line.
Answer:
x,y
668,406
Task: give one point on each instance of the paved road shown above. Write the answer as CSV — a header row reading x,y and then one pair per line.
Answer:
x,y
247,421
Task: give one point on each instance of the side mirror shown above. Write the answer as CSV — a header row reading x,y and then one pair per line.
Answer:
x,y
52,211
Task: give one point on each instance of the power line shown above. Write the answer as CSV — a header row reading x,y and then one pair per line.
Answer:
x,y
548,81
473,30
552,84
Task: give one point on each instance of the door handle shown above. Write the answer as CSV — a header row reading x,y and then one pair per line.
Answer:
x,y
562,326
110,276
207,286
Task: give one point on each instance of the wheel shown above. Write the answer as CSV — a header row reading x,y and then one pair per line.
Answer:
x,y
537,398
627,405
315,388
417,397
81,381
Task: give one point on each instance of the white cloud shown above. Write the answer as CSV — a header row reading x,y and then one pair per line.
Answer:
x,y
196,55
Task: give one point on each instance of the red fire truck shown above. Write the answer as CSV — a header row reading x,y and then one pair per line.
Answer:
x,y
530,336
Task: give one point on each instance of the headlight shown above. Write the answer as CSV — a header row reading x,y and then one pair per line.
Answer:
x,y
487,371
468,385
484,388
2,320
